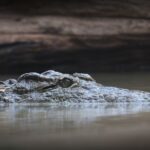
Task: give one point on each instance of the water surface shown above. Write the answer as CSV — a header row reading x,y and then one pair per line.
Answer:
x,y
74,126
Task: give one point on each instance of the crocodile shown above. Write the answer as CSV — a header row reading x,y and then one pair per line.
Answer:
x,y
55,87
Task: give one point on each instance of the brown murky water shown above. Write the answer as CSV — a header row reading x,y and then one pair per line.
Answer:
x,y
90,126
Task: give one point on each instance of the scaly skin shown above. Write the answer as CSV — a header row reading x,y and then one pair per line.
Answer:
x,y
55,87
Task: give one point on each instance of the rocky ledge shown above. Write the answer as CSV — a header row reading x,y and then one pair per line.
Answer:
x,y
74,35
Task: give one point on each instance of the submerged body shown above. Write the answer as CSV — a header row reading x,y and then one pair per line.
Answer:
x,y
54,87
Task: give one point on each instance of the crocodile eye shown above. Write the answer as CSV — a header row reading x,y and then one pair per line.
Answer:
x,y
65,82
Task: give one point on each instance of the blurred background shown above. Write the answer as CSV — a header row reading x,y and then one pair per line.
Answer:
x,y
74,36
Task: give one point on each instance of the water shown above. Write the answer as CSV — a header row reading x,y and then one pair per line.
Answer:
x,y
74,126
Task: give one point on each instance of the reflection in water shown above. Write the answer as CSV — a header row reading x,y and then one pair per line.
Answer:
x,y
63,113
74,126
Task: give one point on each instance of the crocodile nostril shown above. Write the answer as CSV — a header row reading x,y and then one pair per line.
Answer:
x,y
11,81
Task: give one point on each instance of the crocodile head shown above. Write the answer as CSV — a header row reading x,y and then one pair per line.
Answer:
x,y
50,86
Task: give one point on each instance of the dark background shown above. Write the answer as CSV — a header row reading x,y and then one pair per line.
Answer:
x,y
74,36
